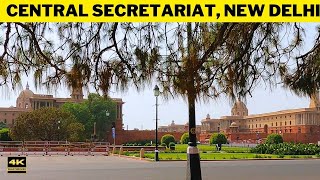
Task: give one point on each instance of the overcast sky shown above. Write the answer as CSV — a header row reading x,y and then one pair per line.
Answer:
x,y
139,107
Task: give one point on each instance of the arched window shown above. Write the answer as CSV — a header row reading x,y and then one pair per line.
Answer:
x,y
290,122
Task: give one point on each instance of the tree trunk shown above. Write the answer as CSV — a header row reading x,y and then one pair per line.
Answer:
x,y
193,163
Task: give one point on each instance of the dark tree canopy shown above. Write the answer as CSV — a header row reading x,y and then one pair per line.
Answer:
x,y
218,138
216,58
43,124
93,110
4,134
3,125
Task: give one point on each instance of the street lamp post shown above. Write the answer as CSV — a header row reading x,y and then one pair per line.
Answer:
x,y
58,130
113,129
156,94
94,132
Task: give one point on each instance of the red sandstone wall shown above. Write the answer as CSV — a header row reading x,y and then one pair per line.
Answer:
x,y
301,137
246,136
309,134
125,136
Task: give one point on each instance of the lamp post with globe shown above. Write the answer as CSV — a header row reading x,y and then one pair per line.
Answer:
x,y
156,94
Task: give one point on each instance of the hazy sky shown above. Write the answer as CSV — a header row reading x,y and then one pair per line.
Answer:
x,y
139,107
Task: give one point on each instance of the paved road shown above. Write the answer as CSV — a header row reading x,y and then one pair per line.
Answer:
x,y
115,168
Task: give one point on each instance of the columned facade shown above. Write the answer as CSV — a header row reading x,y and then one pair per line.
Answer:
x,y
305,121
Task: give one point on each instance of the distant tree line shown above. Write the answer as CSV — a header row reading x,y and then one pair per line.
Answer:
x,y
72,122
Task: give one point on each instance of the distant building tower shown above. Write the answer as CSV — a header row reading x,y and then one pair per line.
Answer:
x,y
77,94
74,79
314,100
172,123
23,101
234,128
239,109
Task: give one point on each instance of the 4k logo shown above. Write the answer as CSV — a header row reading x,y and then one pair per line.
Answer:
x,y
17,164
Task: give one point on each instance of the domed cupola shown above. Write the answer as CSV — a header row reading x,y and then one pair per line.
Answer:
x,y
23,100
239,109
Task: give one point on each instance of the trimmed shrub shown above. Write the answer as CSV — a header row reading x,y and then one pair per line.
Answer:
x,y
167,139
218,138
274,139
163,144
4,135
147,144
172,144
184,138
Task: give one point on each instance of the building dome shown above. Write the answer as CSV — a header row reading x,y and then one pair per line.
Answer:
x,y
239,109
27,93
233,124
23,101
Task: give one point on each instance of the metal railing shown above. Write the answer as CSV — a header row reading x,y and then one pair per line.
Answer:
x,y
53,148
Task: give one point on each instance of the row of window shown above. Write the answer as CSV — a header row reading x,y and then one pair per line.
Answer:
x,y
6,114
285,131
276,124
268,118
285,123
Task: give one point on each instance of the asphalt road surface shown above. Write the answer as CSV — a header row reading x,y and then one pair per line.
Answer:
x,y
115,168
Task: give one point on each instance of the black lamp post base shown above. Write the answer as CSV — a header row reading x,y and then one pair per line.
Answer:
x,y
156,155
193,164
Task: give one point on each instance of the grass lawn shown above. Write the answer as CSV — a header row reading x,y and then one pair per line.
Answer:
x,y
183,148
208,152
221,156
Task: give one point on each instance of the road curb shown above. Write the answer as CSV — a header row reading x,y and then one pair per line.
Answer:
x,y
213,160
132,157
256,159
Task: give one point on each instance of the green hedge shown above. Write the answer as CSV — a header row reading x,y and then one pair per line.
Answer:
x,y
287,149
137,143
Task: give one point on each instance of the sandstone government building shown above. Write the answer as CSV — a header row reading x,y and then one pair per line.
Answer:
x,y
28,101
295,125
